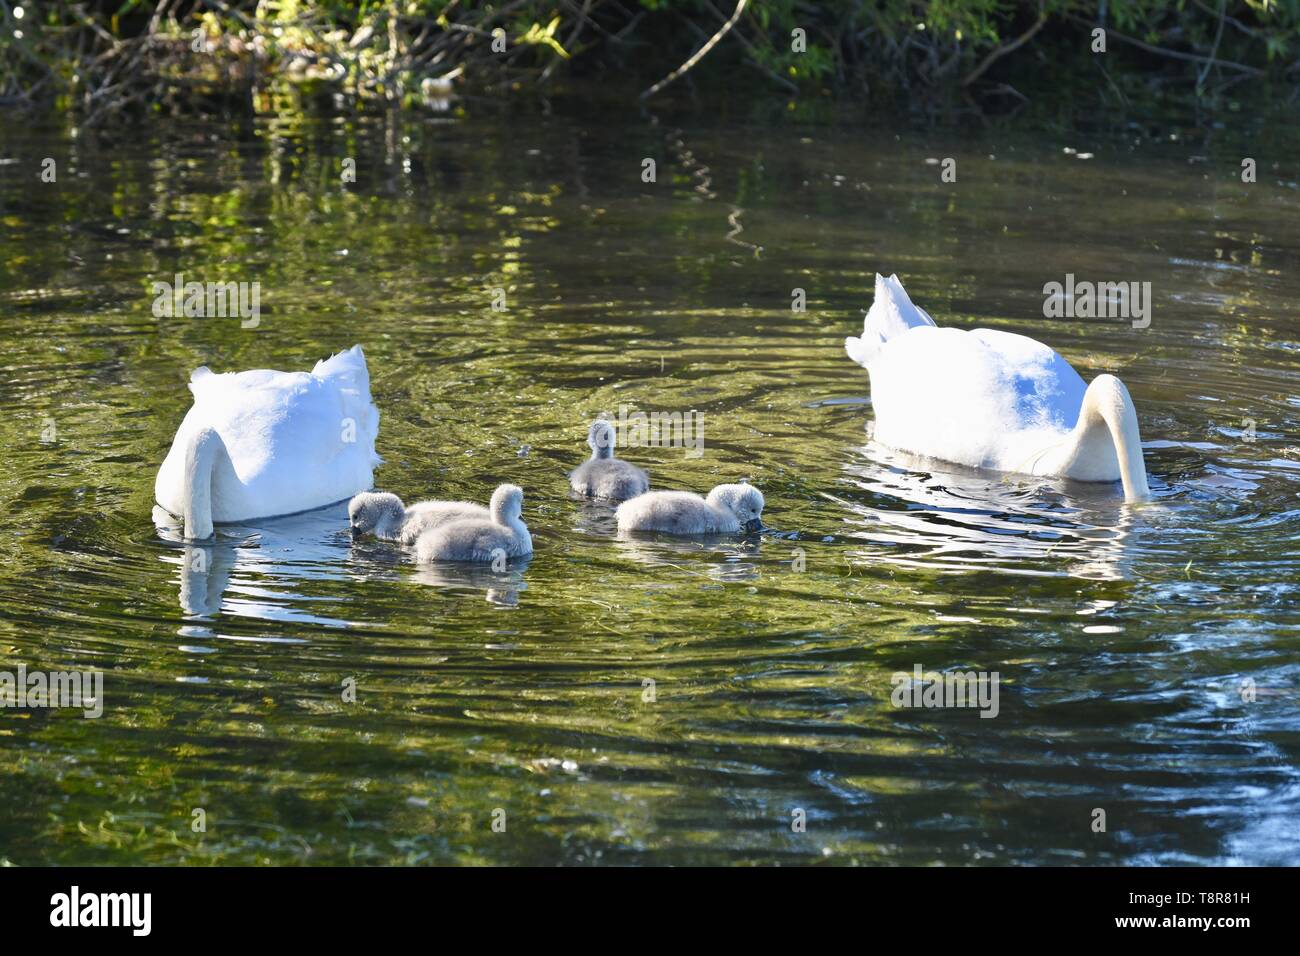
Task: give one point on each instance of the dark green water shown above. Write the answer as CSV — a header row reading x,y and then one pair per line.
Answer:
x,y
1122,635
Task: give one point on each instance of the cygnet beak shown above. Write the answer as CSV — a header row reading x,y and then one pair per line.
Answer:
x,y
753,525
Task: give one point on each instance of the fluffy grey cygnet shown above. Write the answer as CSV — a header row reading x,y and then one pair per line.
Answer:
x,y
383,515
727,510
603,475
478,539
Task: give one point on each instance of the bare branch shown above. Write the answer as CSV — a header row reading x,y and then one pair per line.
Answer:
x,y
699,54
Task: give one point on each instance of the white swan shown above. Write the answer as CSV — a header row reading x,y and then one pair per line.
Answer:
x,y
504,534
991,399
727,510
261,443
383,515
603,475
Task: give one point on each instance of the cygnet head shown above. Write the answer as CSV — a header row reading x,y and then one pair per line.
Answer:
x,y
601,439
743,501
376,512
507,504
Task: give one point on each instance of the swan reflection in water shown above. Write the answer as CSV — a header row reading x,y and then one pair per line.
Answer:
x,y
273,570
956,518
265,570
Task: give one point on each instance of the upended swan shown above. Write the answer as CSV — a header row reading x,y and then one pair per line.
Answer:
x,y
504,535
603,475
263,443
382,514
992,399
727,510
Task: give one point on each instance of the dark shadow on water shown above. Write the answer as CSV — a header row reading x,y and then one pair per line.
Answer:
x,y
721,557
501,587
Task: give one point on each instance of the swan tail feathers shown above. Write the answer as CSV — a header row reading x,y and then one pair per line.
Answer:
x,y
891,314
348,370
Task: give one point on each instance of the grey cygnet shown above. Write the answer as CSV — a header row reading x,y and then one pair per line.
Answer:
x,y
727,510
504,534
603,475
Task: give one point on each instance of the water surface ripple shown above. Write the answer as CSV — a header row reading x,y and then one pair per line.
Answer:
x,y
1122,635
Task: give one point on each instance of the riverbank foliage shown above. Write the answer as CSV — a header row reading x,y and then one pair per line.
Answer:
x,y
101,58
